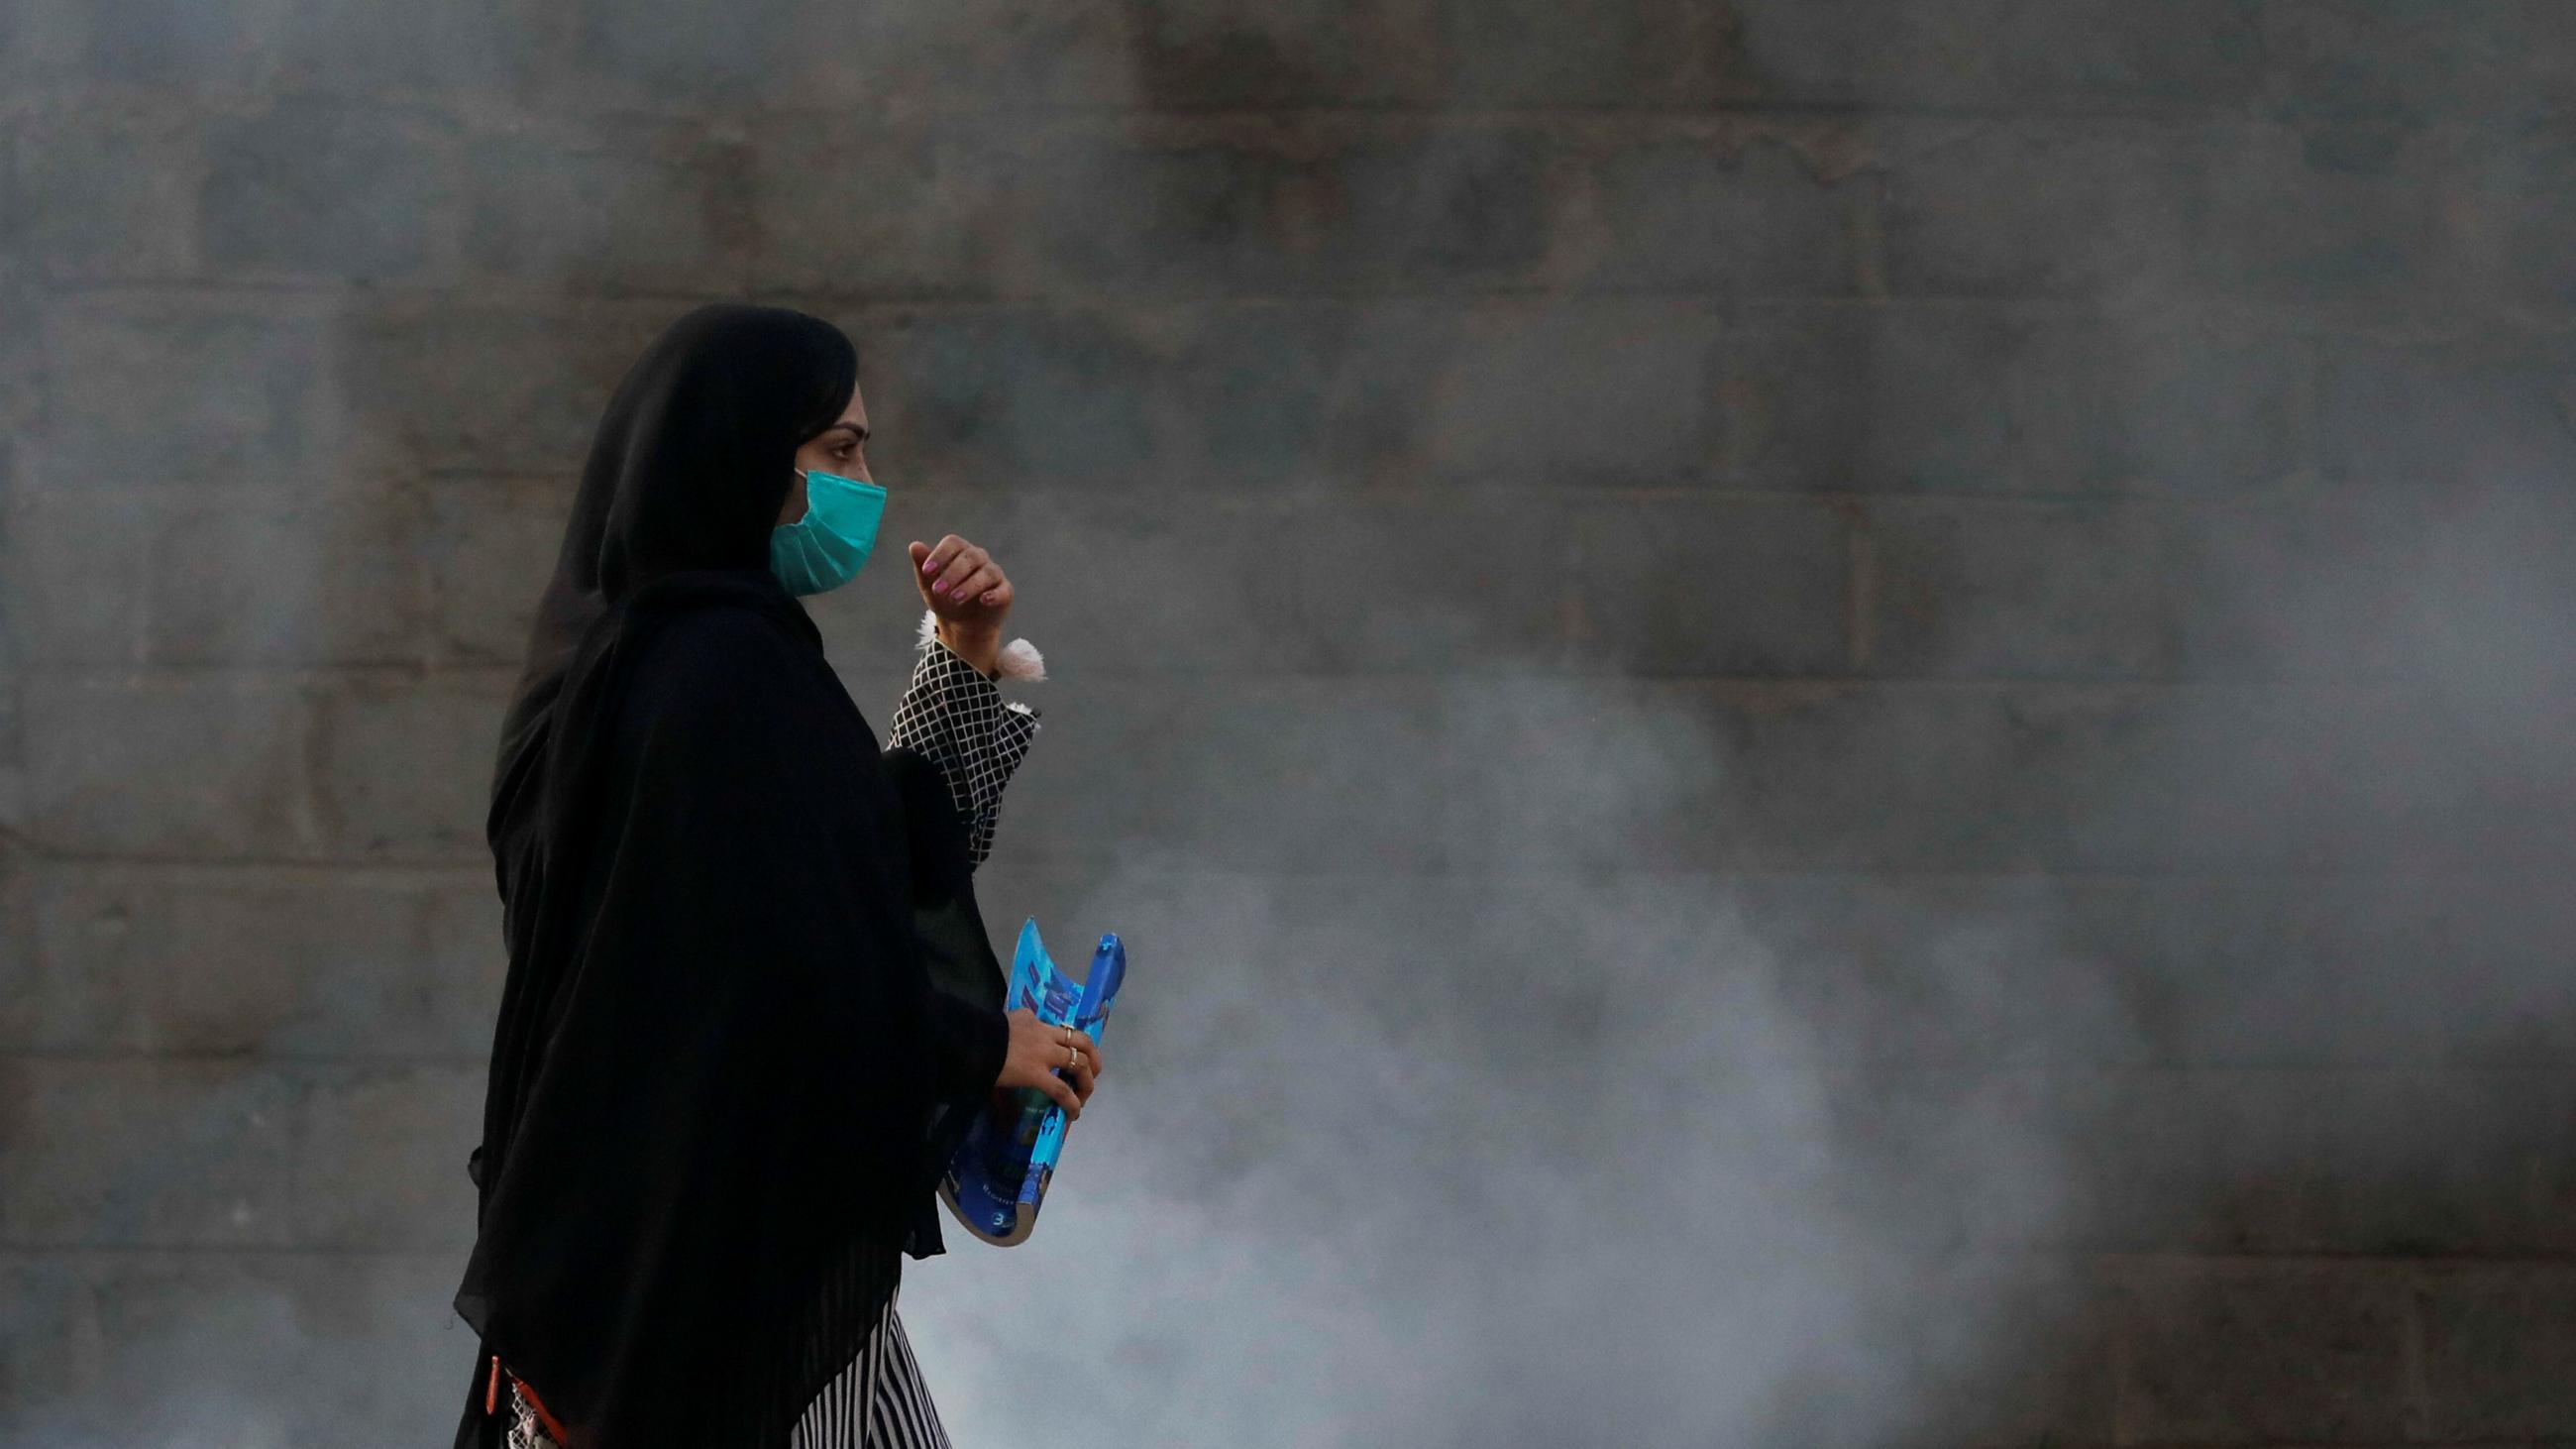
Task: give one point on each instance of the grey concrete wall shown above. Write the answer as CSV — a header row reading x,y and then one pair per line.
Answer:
x,y
1883,688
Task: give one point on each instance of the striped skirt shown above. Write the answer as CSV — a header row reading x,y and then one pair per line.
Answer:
x,y
878,1402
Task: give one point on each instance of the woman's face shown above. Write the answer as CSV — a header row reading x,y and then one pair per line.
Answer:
x,y
840,448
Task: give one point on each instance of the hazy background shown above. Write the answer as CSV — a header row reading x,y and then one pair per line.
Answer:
x,y
1829,724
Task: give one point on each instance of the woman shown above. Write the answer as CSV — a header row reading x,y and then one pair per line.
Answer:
x,y
750,1006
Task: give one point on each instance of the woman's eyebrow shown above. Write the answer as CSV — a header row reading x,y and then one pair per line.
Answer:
x,y
853,429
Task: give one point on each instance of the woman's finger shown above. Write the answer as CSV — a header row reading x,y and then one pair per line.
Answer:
x,y
971,580
1065,1097
940,553
1082,1043
984,586
960,566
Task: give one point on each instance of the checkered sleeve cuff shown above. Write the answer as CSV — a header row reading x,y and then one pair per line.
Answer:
x,y
956,715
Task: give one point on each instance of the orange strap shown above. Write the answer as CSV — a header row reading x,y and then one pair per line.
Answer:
x,y
554,1430
492,1401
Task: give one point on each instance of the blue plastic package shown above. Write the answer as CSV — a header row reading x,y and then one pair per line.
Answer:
x,y
998,1178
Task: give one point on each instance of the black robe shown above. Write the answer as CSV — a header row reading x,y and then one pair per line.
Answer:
x,y
751,1004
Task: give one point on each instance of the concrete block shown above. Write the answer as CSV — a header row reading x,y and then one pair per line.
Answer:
x,y
1707,587
1296,207
166,1337
1017,53
1188,209
228,45
2403,622
2041,207
226,388
1570,771
279,576
1639,52
2097,777
2321,589
380,1156
2412,65
2089,56
49,1330
2451,1161
2165,404
2004,1350
1992,1352
308,188
1317,393
1571,393
856,206
13,753
2408,970
2498,1339
1935,970
1433,585
1090,575
821,58
109,193
201,765
1867,398
2259,779
2012,590
1674,776
128,1151
1235,55
1444,207
1014,394
1394,397
23,361
1311,395
232,766
1744,217
2251,1353
1277,773
2504,208
425,384
402,770
591,207
77,581
2346,214
2365,1162
475,49
22,1003
2484,414
670,54
164,959
490,547
1938,1161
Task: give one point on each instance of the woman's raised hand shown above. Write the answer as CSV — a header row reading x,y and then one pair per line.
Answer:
x,y
1038,1051
961,583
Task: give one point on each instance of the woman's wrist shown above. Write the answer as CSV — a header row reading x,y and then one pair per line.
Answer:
x,y
979,647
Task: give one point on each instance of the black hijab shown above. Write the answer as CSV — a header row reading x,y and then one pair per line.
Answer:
x,y
750,1005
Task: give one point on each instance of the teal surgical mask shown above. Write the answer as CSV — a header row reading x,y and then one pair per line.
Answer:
x,y
824,549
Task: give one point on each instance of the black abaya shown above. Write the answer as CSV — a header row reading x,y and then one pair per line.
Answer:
x,y
751,1004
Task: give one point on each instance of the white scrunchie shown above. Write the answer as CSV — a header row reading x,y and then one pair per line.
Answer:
x,y
1020,658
